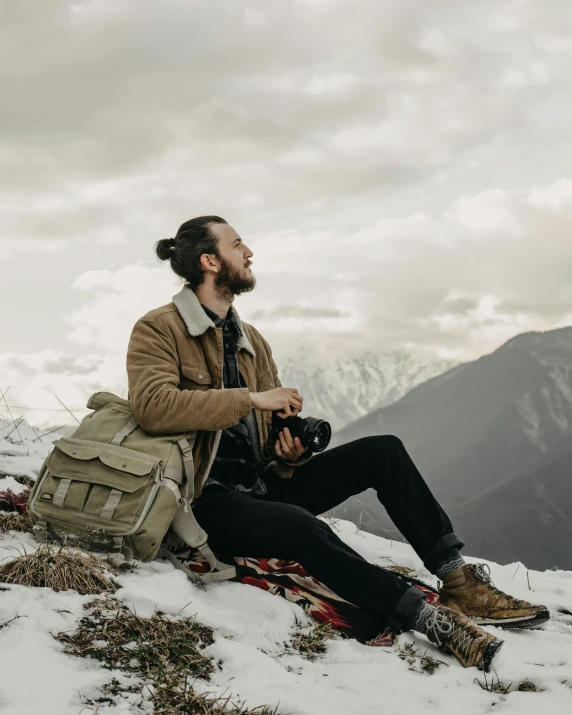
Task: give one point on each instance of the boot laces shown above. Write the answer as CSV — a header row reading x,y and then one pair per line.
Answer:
x,y
482,572
443,628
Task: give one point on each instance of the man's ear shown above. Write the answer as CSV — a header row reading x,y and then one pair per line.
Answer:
x,y
210,262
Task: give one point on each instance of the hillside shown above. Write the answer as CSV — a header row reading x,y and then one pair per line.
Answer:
x,y
528,517
479,424
483,421
255,660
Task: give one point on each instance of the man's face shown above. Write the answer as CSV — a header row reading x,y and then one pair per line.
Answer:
x,y
234,273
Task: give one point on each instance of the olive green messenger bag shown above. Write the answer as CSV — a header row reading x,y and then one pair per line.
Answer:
x,y
113,487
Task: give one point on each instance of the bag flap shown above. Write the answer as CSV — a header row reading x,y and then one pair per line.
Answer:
x,y
101,399
78,451
126,463
116,467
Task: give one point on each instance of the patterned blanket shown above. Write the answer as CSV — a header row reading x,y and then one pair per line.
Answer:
x,y
15,502
290,581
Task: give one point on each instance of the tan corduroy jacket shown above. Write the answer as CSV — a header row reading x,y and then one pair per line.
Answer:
x,y
175,371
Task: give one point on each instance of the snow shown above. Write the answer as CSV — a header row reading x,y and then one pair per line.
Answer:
x,y
252,628
342,388
21,451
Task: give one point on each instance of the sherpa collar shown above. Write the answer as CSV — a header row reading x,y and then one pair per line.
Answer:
x,y
198,322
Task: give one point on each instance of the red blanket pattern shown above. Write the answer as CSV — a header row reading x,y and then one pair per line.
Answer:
x,y
290,581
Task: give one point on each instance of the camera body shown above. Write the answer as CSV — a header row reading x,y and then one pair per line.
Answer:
x,y
314,433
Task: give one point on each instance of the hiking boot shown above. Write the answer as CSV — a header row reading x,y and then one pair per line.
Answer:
x,y
454,633
470,590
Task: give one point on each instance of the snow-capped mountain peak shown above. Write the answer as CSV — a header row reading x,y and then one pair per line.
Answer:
x,y
342,388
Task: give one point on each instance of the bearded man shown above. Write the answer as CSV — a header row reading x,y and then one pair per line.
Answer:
x,y
193,365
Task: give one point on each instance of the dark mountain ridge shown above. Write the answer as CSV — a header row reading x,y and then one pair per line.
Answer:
x,y
479,425
529,517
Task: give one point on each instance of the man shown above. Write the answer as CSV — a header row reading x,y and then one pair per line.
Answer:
x,y
194,365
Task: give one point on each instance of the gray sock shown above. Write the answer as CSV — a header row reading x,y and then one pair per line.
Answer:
x,y
453,561
422,616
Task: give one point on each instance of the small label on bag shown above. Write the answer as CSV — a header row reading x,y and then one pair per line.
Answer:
x,y
47,497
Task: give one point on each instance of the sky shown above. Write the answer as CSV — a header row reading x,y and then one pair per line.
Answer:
x,y
402,172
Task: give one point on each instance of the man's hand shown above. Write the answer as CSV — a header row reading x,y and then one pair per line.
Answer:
x,y
287,401
287,447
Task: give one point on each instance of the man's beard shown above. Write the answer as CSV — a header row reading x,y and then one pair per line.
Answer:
x,y
230,281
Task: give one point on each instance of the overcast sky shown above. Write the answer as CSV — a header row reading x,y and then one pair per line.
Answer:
x,y
401,170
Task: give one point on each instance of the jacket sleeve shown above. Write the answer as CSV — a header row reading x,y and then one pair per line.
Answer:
x,y
284,467
158,404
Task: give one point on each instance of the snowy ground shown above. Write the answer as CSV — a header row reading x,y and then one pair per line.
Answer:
x,y
22,448
251,628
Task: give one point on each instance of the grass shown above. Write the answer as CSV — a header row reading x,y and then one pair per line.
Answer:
x,y
166,653
310,641
13,520
498,686
59,568
419,661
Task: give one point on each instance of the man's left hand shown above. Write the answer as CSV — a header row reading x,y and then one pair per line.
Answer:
x,y
289,448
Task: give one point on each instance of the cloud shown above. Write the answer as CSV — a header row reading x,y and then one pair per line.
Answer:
x,y
35,381
401,171
165,111
298,311
461,281
432,284
118,299
47,362
24,245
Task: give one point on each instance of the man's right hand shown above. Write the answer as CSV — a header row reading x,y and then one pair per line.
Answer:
x,y
286,400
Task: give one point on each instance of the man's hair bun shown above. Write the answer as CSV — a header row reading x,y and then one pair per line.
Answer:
x,y
193,238
164,248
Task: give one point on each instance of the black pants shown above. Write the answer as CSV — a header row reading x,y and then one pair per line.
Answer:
x,y
283,523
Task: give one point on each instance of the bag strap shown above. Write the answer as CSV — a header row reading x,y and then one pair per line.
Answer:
x,y
61,492
186,527
130,427
121,555
185,524
187,455
222,572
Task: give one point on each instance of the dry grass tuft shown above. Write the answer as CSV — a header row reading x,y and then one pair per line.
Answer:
x,y
13,520
419,661
310,641
118,638
165,652
498,686
59,568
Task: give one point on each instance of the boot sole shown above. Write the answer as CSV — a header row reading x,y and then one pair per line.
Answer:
x,y
524,622
491,650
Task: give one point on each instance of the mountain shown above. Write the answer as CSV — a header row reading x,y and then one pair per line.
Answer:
x,y
342,389
482,423
528,517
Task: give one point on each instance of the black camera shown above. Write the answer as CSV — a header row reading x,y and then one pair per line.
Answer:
x,y
315,434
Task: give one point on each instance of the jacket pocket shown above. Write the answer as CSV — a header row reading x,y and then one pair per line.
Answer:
x,y
265,381
198,375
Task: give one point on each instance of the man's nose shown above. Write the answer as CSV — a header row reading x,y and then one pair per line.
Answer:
x,y
248,253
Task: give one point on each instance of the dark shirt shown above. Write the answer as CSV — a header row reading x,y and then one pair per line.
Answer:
x,y
233,467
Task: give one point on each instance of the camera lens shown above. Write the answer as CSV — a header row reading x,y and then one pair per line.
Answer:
x,y
322,433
